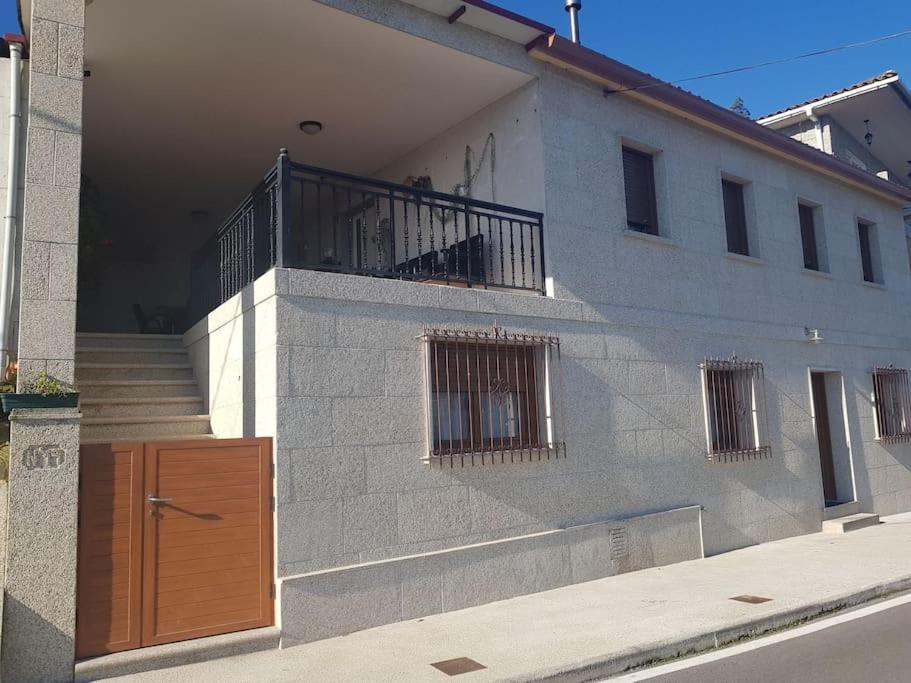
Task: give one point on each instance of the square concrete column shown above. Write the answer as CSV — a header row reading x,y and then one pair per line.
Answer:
x,y
39,608
39,612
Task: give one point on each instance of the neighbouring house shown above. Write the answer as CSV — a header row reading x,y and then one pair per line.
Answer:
x,y
390,308
866,124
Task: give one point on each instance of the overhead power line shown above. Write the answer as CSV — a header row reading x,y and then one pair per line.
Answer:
x,y
761,65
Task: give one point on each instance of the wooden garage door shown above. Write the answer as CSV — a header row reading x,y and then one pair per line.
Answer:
x,y
193,542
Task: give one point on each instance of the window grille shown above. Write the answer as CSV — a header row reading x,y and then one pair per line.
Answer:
x,y
733,394
492,397
892,400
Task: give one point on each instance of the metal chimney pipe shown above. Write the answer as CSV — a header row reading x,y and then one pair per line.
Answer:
x,y
574,7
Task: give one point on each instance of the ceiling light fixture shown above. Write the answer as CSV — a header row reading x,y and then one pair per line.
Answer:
x,y
311,127
869,136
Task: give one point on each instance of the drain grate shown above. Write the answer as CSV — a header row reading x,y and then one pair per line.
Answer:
x,y
457,666
751,599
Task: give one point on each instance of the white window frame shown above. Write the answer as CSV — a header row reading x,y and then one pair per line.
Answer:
x,y
899,388
753,386
549,391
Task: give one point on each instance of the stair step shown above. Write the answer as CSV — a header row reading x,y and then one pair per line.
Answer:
x,y
122,428
126,354
137,388
90,371
135,341
126,407
841,510
142,419
843,525
145,437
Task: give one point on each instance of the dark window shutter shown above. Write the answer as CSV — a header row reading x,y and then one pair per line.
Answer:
x,y
866,255
639,179
808,237
735,217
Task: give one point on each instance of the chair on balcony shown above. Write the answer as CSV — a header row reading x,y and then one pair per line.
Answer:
x,y
452,262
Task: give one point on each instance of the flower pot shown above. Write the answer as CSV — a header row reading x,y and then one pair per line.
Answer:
x,y
11,401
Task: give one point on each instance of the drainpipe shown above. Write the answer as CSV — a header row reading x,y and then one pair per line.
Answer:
x,y
10,219
574,7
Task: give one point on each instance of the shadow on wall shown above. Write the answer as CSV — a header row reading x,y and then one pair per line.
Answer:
x,y
35,651
882,470
633,449
248,362
224,358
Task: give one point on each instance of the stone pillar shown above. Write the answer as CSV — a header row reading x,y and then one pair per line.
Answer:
x,y
50,223
39,611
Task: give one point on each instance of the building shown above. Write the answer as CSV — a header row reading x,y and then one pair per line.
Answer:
x,y
864,124
498,314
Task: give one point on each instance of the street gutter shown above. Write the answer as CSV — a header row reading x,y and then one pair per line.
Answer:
x,y
685,645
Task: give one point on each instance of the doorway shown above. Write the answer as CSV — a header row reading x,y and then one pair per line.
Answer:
x,y
175,542
832,437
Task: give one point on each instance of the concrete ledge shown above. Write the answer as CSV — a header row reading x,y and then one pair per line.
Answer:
x,y
841,510
689,644
177,654
843,525
336,602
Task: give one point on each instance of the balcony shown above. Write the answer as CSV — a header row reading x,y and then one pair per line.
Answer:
x,y
311,218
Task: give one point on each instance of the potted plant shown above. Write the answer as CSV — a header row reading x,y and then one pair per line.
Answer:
x,y
42,392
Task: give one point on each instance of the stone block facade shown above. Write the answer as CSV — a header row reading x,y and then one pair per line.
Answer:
x,y
331,366
50,225
39,610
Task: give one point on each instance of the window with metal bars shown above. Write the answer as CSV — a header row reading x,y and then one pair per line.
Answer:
x,y
639,183
892,400
733,393
492,396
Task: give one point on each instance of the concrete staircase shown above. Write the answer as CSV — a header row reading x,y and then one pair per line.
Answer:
x,y
137,387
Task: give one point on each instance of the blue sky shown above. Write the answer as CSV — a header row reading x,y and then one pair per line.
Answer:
x,y
673,40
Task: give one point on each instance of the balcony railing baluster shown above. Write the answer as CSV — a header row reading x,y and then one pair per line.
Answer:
x,y
378,229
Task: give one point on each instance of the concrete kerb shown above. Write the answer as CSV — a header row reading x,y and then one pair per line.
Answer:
x,y
615,663
176,654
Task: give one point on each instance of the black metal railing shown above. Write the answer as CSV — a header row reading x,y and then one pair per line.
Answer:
x,y
301,216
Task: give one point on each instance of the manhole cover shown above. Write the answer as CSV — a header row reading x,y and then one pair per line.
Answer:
x,y
751,599
460,665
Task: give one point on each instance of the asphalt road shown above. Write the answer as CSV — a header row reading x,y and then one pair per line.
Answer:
x,y
872,649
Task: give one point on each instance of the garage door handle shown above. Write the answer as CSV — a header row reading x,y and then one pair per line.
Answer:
x,y
155,500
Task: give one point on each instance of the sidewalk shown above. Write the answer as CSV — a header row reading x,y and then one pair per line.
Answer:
x,y
592,630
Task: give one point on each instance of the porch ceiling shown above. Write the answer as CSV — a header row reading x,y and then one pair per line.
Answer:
x,y
889,111
189,102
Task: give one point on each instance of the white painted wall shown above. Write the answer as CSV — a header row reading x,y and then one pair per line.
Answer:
x,y
515,123
233,351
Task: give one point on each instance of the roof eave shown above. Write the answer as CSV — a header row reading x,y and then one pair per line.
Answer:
x,y
615,75
801,111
